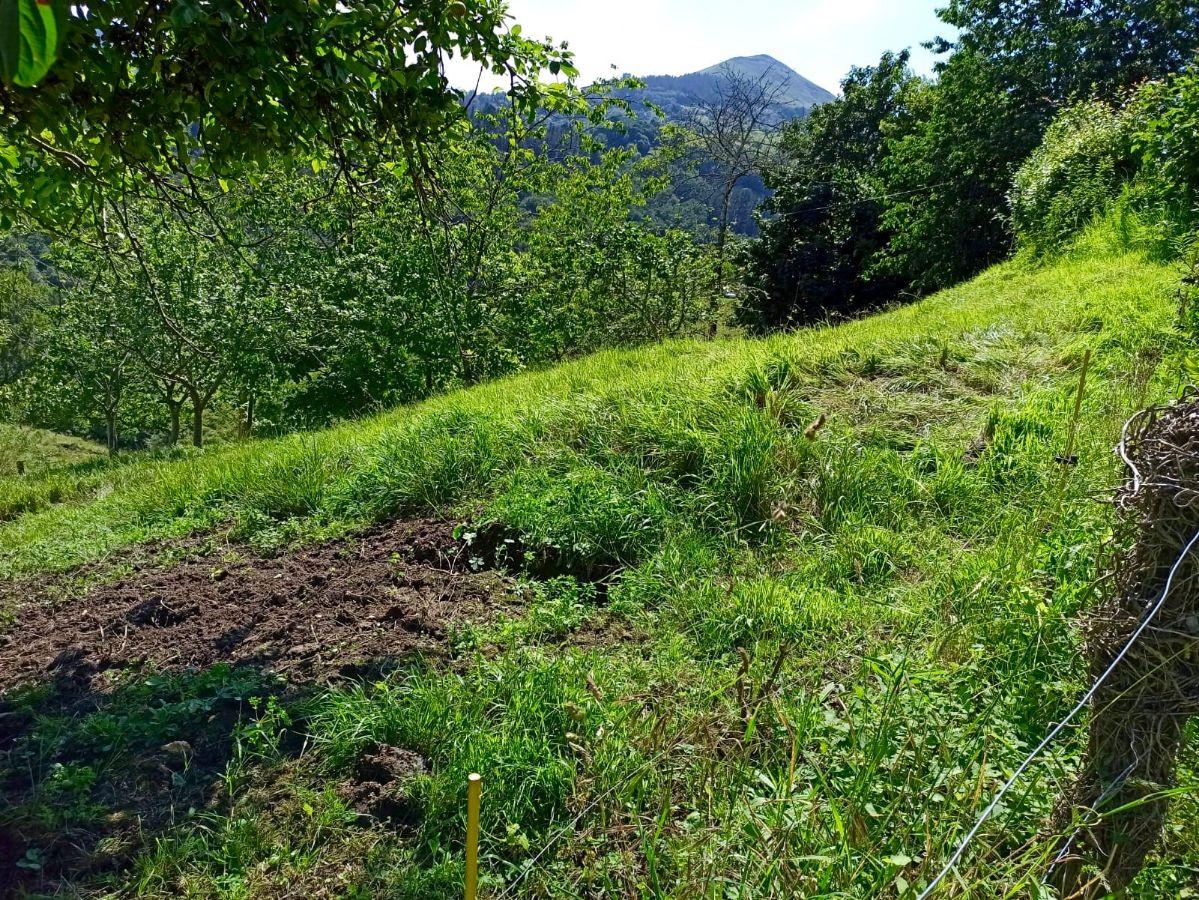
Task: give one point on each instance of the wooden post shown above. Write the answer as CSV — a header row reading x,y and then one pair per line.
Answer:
x,y
474,794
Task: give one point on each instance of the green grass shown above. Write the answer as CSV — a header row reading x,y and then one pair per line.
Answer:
x,y
846,643
39,451
39,467
59,469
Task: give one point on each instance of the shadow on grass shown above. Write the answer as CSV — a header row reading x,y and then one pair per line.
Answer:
x,y
89,776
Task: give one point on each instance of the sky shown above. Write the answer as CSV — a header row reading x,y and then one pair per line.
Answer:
x,y
820,39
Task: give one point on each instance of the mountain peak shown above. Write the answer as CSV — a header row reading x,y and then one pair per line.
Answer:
x,y
759,61
796,95
797,90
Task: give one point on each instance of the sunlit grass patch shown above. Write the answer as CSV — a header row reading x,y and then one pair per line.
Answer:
x,y
763,653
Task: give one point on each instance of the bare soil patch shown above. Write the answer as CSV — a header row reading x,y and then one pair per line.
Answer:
x,y
343,608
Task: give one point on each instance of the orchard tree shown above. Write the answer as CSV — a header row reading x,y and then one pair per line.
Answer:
x,y
24,306
87,367
194,315
592,276
205,321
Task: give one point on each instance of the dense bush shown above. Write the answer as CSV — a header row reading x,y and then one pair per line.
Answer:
x,y
1166,139
1143,153
1075,173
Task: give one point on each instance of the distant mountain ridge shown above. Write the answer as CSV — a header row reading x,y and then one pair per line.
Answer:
x,y
677,93
693,204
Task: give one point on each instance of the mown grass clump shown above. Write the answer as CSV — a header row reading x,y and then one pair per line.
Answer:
x,y
761,658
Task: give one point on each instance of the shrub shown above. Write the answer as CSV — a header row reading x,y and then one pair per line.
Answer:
x,y
1073,176
1165,138
1142,157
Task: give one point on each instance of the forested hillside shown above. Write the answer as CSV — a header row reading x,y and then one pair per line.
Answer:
x,y
359,436
660,112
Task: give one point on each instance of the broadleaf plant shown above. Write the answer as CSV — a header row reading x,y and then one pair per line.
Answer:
x,y
29,39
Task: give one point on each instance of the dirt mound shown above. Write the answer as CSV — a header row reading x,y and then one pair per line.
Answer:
x,y
346,608
381,789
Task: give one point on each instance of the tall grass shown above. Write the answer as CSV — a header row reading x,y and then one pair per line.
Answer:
x,y
816,657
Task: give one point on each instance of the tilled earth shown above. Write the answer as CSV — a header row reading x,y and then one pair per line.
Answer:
x,y
348,609
345,608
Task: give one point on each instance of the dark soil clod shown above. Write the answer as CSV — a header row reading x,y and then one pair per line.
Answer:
x,y
158,613
382,790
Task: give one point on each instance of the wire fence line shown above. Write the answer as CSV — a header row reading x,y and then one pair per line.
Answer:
x,y
573,823
953,860
853,201
1143,626
1146,621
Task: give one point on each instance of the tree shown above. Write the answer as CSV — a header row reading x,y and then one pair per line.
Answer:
x,y
87,367
212,321
192,316
823,225
593,277
927,205
24,305
162,99
322,298
1049,52
736,136
946,176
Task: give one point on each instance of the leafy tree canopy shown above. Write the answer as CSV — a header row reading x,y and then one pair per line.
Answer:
x,y
158,96
1055,50
823,224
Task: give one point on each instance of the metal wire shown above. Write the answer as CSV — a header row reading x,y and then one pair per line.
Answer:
x,y
1060,727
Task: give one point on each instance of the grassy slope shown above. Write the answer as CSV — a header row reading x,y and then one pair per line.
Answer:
x,y
42,450
56,467
849,641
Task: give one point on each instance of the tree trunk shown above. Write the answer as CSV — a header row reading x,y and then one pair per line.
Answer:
x,y
251,405
176,410
198,404
246,430
722,239
112,435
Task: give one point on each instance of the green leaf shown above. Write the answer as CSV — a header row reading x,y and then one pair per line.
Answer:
x,y
29,40
10,38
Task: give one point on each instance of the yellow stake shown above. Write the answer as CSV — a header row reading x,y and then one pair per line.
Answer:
x,y
474,796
